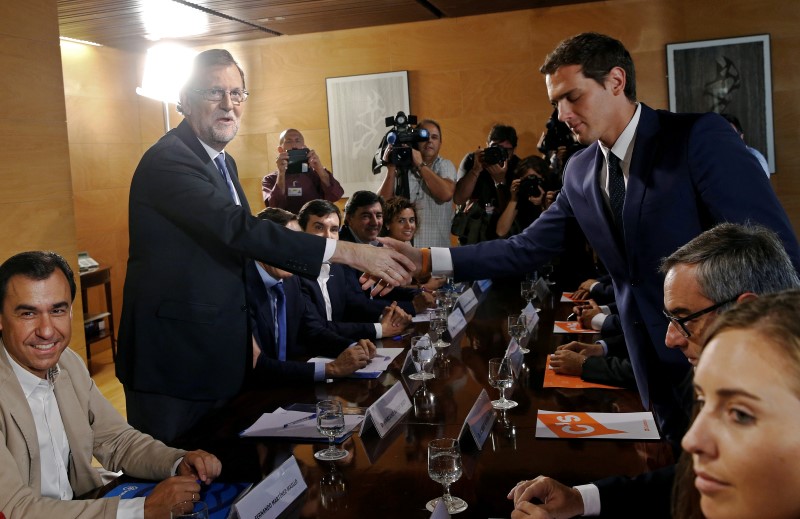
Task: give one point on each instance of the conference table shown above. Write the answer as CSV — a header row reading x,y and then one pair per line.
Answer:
x,y
388,476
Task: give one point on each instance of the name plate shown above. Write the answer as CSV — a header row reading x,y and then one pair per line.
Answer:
x,y
514,353
467,301
541,290
483,285
387,411
531,317
479,421
456,322
276,492
439,512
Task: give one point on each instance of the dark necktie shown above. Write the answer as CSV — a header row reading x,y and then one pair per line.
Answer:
x,y
219,160
616,190
280,321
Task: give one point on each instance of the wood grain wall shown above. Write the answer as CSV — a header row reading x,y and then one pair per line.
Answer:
x,y
467,73
36,206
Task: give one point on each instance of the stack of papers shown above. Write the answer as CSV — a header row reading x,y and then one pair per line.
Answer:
x,y
271,425
379,363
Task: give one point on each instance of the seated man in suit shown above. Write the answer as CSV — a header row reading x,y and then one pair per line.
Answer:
x,y
363,218
725,265
53,419
339,301
288,329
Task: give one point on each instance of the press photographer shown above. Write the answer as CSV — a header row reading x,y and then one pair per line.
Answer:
x,y
528,196
557,143
415,170
484,178
300,176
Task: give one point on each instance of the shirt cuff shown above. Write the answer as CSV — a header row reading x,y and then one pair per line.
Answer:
x,y
602,343
441,262
597,321
605,309
591,499
131,508
378,331
593,285
330,248
319,371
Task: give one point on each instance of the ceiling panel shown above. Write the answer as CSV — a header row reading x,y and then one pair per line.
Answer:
x,y
121,23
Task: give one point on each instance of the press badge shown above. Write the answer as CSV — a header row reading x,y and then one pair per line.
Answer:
x,y
295,191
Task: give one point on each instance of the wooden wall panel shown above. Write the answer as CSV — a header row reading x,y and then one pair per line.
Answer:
x,y
467,73
36,194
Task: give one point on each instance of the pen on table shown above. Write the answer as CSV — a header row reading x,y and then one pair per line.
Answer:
x,y
305,418
399,337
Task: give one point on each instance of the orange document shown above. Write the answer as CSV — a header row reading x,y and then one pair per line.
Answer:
x,y
553,379
566,297
571,327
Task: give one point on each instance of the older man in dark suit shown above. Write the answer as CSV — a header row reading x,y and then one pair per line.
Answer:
x,y
184,340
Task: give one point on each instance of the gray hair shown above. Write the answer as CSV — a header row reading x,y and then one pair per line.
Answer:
x,y
733,258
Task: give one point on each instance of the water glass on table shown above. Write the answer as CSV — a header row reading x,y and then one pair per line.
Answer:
x,y
501,377
422,355
444,467
517,327
330,423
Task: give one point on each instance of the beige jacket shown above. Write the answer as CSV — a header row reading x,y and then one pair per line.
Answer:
x,y
93,428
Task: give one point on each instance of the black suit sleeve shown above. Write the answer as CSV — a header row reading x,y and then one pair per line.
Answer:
x,y
646,495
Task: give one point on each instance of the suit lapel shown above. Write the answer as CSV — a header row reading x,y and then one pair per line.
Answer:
x,y
646,149
186,134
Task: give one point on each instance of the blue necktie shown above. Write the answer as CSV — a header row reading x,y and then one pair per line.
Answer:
x,y
616,190
219,160
280,329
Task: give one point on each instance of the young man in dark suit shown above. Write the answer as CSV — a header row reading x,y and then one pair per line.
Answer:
x,y
276,359
648,182
338,301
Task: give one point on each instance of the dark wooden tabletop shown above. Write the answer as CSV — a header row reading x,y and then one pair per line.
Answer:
x,y
389,476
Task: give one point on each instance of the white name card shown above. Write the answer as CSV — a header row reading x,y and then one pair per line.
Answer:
x,y
276,492
531,317
514,353
541,290
387,411
440,511
467,301
484,285
479,421
456,322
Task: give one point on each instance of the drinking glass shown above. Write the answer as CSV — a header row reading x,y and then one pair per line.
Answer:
x,y
501,376
189,510
438,325
421,354
526,290
330,423
517,328
444,466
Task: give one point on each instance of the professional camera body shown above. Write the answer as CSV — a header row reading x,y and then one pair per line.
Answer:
x,y
495,154
402,136
298,161
530,186
557,135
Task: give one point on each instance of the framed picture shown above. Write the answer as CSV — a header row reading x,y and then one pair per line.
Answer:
x,y
728,76
357,110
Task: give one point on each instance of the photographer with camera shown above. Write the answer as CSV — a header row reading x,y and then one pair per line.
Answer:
x,y
300,176
557,143
482,190
531,193
421,175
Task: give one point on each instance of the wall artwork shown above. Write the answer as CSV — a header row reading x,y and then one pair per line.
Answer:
x,y
729,76
357,111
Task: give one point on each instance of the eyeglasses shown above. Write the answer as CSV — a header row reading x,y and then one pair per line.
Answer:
x,y
217,94
680,322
